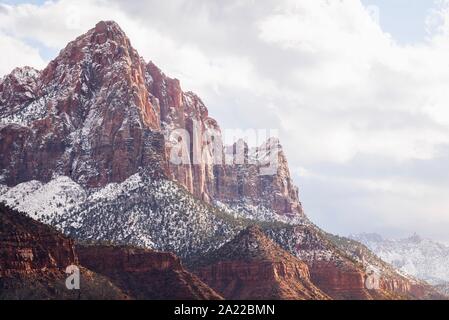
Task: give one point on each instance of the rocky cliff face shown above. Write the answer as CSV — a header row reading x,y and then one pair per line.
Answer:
x,y
340,282
28,247
391,283
251,266
88,115
33,260
98,113
146,274
34,257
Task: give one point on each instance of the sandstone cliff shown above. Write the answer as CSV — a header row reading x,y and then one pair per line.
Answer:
x,y
145,274
251,266
33,260
34,257
98,113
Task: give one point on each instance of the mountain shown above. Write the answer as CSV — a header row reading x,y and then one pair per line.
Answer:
x,y
86,115
163,215
98,113
443,288
87,146
252,266
422,258
393,283
33,260
145,274
34,257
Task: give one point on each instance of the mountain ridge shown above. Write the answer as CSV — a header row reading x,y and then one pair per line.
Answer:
x,y
103,114
421,258
34,258
252,266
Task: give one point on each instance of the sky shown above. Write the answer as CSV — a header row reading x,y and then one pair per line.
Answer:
x,y
357,89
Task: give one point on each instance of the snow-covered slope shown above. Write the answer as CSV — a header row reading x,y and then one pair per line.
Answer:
x,y
154,213
244,208
422,258
161,214
44,202
158,214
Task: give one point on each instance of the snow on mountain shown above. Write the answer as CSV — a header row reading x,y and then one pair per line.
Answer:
x,y
44,202
443,288
159,214
244,208
422,258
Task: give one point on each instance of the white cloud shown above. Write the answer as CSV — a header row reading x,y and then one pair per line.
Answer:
x,y
16,53
67,19
339,87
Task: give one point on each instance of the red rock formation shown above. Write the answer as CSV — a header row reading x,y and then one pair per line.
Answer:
x,y
33,260
88,115
249,181
146,274
252,267
98,113
340,283
342,268
28,247
34,257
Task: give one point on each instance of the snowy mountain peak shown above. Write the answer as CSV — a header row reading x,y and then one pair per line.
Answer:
x,y
421,258
98,114
20,85
108,27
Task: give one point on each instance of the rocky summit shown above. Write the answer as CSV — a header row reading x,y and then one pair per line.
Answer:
x,y
87,145
98,113
252,266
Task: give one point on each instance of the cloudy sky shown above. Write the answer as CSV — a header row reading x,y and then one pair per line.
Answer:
x,y
358,89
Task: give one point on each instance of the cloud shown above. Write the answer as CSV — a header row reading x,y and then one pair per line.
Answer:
x,y
16,53
360,115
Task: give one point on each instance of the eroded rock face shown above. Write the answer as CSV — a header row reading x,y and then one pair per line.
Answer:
x,y
146,274
98,113
28,247
340,283
33,261
88,115
262,181
252,267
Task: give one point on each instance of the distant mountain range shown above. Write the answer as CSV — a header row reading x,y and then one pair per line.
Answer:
x,y
86,146
421,258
